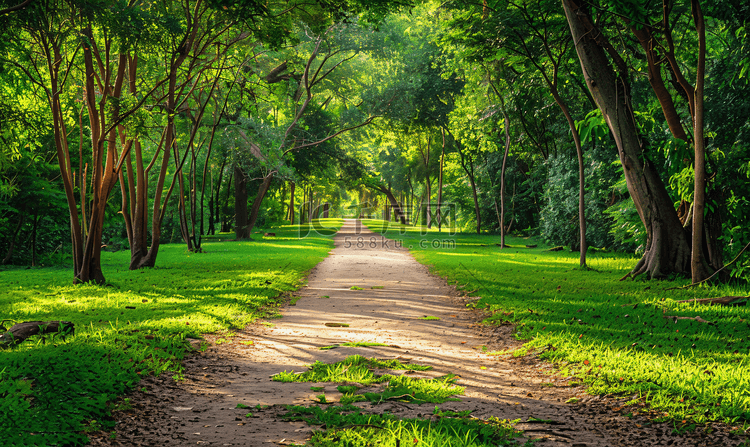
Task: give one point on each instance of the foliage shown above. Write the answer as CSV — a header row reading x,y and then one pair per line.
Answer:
x,y
559,217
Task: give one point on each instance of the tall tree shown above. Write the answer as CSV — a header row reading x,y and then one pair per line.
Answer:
x,y
667,249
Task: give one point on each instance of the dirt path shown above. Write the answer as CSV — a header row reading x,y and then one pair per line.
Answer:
x,y
202,409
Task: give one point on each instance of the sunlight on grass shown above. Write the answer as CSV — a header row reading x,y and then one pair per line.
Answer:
x,y
134,326
349,426
613,335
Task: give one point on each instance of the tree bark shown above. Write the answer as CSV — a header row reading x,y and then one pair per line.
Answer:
x,y
698,268
667,249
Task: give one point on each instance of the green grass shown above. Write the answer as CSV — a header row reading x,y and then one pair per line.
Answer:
x,y
359,369
354,368
348,426
52,390
410,390
612,335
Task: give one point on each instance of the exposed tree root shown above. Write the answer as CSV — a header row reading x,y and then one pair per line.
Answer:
x,y
21,331
716,272
724,301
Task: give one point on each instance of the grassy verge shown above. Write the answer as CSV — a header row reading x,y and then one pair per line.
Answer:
x,y
348,426
359,370
54,390
611,334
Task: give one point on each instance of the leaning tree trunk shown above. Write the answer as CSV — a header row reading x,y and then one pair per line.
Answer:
x,y
667,248
262,190
397,211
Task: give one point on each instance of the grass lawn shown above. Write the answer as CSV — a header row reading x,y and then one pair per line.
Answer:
x,y
54,390
612,334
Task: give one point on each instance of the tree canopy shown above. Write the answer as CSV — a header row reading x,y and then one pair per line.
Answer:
x,y
616,125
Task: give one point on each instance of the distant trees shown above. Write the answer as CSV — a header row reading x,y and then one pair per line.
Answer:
x,y
188,118
135,69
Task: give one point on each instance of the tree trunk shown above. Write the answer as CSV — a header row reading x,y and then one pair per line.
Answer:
x,y
262,190
502,180
440,186
581,174
667,248
698,268
241,228
410,205
291,203
476,202
226,223
310,204
217,200
386,210
181,204
397,211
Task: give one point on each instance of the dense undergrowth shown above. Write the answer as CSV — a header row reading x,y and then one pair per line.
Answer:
x,y
54,390
612,334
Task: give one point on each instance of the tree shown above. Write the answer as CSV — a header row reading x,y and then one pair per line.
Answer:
x,y
667,248
527,33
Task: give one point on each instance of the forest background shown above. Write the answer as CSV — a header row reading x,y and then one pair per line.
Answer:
x,y
126,125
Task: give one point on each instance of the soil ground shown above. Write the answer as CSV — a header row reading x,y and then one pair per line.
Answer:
x,y
202,409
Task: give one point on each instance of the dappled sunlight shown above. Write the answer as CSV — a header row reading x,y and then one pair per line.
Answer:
x,y
624,331
137,323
